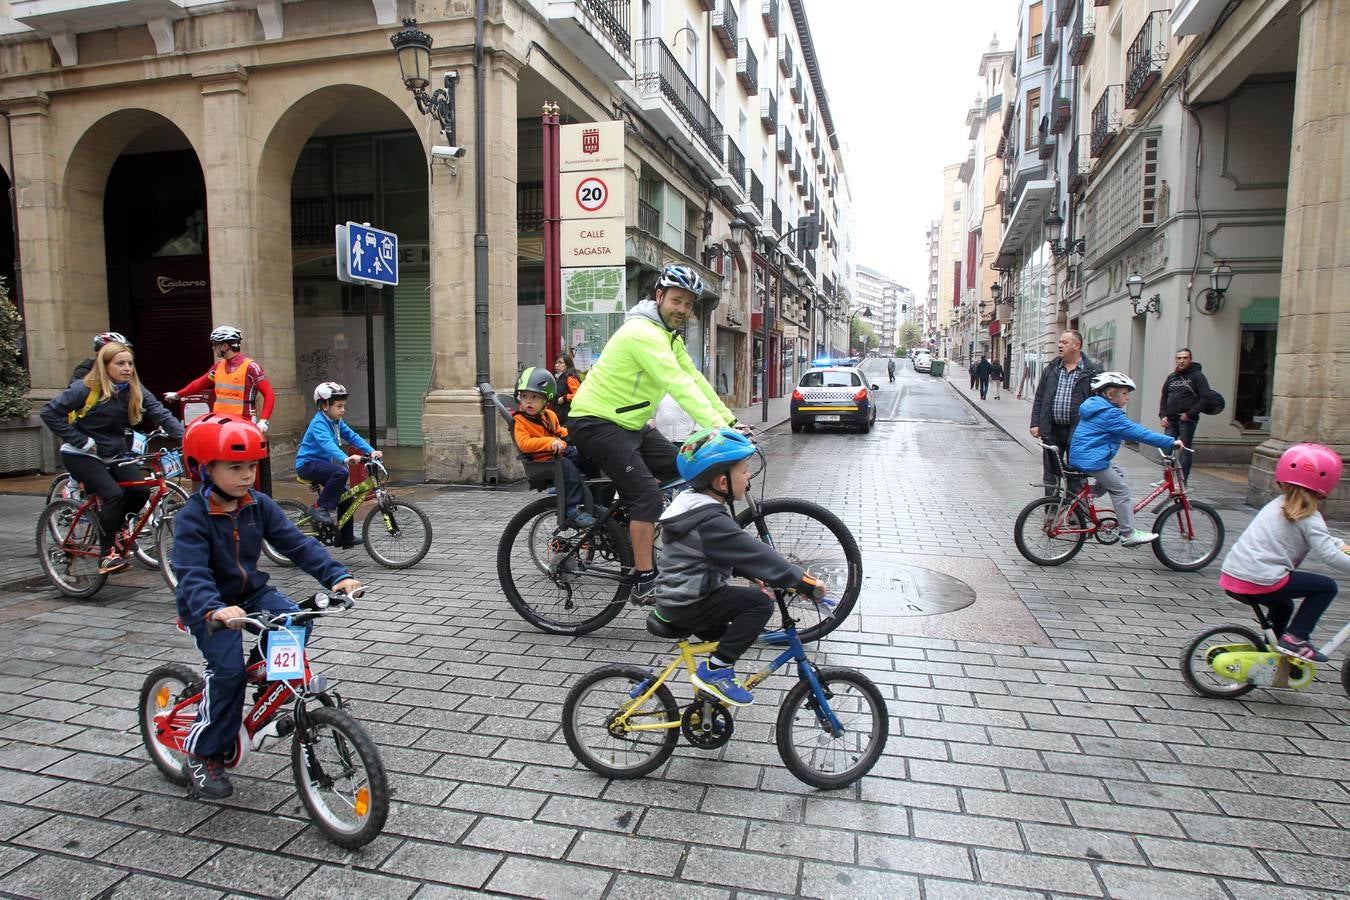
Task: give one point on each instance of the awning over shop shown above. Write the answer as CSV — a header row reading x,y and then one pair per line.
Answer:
x,y
1027,216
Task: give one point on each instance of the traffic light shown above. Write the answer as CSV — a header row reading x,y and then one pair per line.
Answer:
x,y
810,232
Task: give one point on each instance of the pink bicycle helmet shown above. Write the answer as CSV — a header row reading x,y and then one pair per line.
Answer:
x,y
1312,466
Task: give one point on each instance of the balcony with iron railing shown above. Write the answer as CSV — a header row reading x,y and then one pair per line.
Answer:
x,y
810,261
597,31
1144,60
649,219
725,25
747,68
756,191
1035,46
529,206
1084,30
1051,41
1106,119
768,9
785,55
1046,148
795,85
1079,165
777,217
312,218
666,88
691,245
768,109
1063,10
1061,109
784,143
735,163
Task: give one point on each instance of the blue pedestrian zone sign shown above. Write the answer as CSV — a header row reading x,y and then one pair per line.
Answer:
x,y
366,255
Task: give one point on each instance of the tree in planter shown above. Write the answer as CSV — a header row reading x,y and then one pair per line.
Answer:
x,y
13,376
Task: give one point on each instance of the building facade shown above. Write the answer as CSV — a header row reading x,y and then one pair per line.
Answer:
x,y
184,164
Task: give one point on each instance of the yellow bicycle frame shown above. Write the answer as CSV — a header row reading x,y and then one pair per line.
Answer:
x,y
688,658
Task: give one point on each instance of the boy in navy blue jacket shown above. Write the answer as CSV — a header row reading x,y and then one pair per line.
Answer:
x,y
217,538
320,457
1102,424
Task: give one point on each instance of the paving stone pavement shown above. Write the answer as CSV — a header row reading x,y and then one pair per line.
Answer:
x,y
1077,766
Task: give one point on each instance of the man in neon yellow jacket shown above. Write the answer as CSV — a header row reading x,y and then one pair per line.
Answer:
x,y
642,362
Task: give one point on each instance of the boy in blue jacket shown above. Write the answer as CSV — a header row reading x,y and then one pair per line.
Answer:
x,y
320,458
217,537
1102,424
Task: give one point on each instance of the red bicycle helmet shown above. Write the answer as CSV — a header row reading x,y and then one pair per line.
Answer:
x,y
1312,466
215,437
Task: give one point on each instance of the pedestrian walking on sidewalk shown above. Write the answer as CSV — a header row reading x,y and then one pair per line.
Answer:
x,y
982,372
996,375
1063,387
974,379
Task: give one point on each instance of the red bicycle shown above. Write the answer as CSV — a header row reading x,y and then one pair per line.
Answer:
x,y
68,532
1051,530
337,767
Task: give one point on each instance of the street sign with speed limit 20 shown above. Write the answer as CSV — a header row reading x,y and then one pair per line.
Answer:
x,y
591,195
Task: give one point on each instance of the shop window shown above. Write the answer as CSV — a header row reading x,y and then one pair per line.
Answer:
x,y
1256,365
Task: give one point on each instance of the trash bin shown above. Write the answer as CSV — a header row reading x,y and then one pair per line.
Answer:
x,y
937,366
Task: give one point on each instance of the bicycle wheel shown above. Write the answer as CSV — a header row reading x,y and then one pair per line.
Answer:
x,y
595,701
545,575
1196,658
340,777
808,748
1345,676
396,533
299,515
64,488
69,549
812,537
147,545
1039,538
1188,549
161,691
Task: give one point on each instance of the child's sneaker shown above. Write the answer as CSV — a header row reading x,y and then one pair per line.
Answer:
x,y
722,684
644,588
113,562
1301,648
580,518
1137,537
206,778
322,515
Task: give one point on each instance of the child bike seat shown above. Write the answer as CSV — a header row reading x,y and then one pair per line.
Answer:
x,y
663,629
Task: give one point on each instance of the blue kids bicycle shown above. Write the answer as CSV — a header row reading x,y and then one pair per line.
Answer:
x,y
623,722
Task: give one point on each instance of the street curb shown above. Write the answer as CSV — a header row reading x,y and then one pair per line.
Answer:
x,y
987,416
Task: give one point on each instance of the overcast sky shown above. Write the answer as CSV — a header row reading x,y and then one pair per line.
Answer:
x,y
900,76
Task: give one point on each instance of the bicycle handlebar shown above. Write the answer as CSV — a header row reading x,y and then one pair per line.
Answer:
x,y
312,607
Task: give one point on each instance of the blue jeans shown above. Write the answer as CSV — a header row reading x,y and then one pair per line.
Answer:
x,y
1317,592
571,486
333,477
222,708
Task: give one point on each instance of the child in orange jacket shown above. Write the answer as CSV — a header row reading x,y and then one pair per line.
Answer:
x,y
541,437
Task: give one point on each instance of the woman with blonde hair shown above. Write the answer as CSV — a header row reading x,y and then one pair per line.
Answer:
x,y
1263,565
92,417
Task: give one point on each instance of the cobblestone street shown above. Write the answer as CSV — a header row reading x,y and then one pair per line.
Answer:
x,y
1042,740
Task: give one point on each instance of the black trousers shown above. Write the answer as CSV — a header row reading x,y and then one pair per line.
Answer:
x,y
102,480
1059,436
1184,432
733,616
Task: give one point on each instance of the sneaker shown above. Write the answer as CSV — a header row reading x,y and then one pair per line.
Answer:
x,y
722,684
322,515
580,518
1137,537
206,778
1300,647
113,562
644,590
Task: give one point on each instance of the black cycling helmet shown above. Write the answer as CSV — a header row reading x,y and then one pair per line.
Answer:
x,y
541,381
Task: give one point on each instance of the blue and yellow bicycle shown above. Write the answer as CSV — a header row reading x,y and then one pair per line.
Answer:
x,y
622,721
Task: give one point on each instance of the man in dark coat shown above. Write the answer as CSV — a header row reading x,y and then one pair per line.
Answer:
x,y
1179,406
982,371
1063,387
996,376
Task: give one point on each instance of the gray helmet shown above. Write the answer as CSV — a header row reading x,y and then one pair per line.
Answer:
x,y
226,334
541,381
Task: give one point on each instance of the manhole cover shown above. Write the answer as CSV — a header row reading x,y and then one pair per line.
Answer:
x,y
892,589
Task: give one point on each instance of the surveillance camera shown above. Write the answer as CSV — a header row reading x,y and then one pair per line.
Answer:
x,y
441,151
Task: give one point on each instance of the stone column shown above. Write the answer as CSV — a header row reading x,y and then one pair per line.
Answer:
x,y
1310,400
452,420
235,246
52,343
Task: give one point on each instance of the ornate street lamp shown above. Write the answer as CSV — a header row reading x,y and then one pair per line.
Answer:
x,y
1135,285
1220,277
1053,227
413,48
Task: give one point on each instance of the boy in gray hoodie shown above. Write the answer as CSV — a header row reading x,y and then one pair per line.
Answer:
x,y
703,547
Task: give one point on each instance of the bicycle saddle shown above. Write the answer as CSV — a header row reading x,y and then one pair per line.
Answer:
x,y
663,629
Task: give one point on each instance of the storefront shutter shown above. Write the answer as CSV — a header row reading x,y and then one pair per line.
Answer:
x,y
412,355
